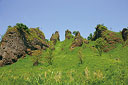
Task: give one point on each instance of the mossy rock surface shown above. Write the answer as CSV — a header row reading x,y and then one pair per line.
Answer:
x,y
111,37
68,34
17,40
55,37
78,41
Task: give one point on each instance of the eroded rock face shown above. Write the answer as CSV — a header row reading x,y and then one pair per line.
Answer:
x,y
36,39
125,34
112,38
78,41
16,42
12,47
68,34
100,29
55,37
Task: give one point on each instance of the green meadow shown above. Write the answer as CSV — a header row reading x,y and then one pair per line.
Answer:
x,y
109,69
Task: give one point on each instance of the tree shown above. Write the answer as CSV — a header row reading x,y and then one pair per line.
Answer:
x,y
75,32
99,44
37,54
90,36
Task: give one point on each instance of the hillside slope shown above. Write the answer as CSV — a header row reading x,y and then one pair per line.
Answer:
x,y
110,68
65,67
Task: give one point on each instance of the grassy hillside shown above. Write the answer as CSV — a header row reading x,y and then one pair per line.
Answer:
x,y
109,69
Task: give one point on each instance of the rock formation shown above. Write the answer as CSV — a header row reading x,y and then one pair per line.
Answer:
x,y
125,34
16,42
55,37
78,41
68,34
111,37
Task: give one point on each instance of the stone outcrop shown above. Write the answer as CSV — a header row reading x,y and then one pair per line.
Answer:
x,y
112,38
100,29
16,42
125,34
68,34
12,47
36,39
78,41
55,37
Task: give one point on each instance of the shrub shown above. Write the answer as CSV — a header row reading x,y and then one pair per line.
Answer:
x,y
90,36
49,56
37,54
51,45
101,26
21,26
99,44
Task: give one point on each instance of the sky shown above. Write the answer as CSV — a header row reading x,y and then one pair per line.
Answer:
x,y
60,15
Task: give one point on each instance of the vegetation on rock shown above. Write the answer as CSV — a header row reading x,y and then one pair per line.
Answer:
x,y
75,32
112,38
68,34
17,40
58,64
55,37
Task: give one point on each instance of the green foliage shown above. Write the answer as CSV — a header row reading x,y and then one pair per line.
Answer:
x,y
110,69
9,26
51,45
90,36
46,40
101,26
21,26
36,56
49,56
100,43
75,32
35,33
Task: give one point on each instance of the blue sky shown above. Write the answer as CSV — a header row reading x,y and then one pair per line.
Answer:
x,y
52,15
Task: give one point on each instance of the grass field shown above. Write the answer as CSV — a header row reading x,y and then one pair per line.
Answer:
x,y
109,69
